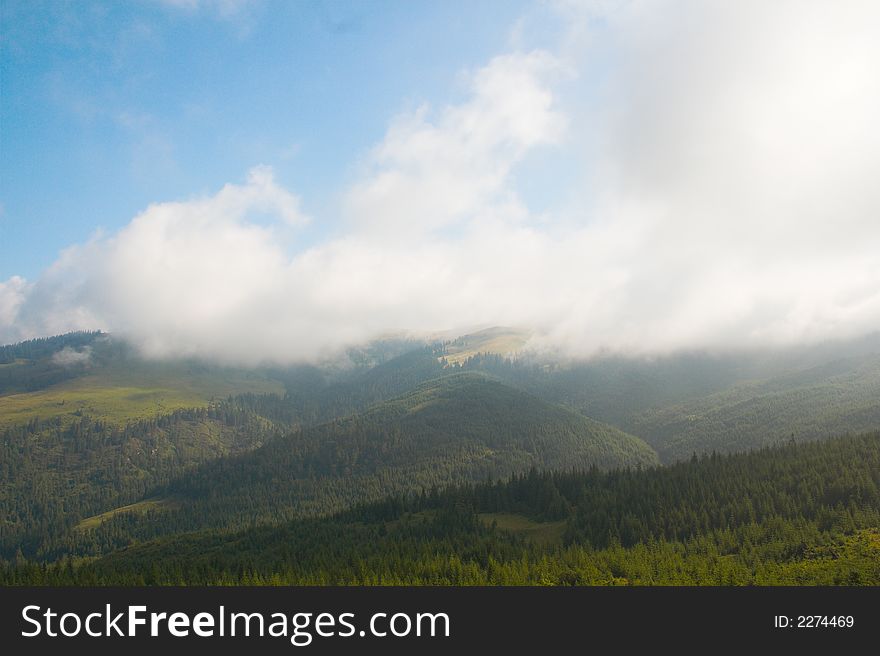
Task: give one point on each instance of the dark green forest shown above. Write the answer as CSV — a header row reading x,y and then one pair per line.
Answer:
x,y
797,514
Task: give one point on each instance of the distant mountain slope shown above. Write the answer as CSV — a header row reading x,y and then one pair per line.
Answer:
x,y
455,429
312,399
699,402
838,397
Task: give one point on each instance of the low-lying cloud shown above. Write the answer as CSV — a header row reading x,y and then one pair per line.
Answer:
x,y
71,357
725,195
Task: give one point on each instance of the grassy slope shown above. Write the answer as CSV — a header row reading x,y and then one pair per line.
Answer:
x,y
132,390
139,507
504,341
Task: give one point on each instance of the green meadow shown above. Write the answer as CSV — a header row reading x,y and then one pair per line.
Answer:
x,y
131,391
539,533
140,507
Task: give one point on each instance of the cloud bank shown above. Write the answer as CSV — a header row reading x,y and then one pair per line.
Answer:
x,y
724,158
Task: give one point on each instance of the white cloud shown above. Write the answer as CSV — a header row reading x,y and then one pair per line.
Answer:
x,y
428,175
726,159
181,276
69,357
739,148
12,295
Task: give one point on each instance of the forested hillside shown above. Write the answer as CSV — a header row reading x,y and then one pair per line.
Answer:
x,y
53,475
797,514
101,429
455,429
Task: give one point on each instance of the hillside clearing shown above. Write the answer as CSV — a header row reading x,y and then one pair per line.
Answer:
x,y
541,533
139,507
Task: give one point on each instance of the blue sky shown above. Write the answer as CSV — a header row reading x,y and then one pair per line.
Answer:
x,y
109,106
275,181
